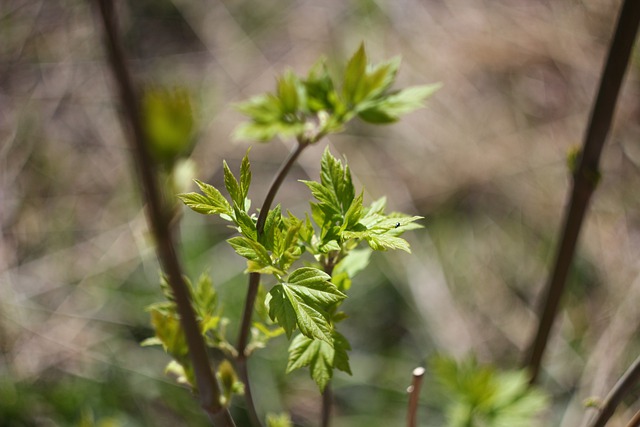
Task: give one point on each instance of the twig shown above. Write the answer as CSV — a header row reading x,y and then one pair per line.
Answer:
x,y
587,174
158,217
625,384
414,395
635,420
254,282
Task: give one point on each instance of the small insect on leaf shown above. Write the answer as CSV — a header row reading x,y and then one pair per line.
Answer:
x,y
397,224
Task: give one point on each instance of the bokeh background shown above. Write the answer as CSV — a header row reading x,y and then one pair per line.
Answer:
x,y
485,164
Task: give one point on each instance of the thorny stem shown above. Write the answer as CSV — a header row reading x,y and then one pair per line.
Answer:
x,y
159,219
625,384
586,174
254,281
414,395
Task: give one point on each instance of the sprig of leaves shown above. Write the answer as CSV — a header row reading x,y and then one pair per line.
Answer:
x,y
479,395
311,107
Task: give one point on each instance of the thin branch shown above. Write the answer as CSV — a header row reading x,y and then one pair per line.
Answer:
x,y
159,220
586,175
414,395
625,384
254,282
635,421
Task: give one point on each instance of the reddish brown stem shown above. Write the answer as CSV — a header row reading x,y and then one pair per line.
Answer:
x,y
254,283
414,396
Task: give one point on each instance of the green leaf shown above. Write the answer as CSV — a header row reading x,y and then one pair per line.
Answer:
x,y
324,195
321,357
205,299
281,309
271,224
245,223
290,95
233,187
245,176
211,203
251,250
169,332
168,122
280,420
337,179
356,261
354,76
354,213
302,301
389,108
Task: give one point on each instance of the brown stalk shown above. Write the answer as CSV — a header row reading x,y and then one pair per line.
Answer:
x,y
414,396
159,221
254,283
586,174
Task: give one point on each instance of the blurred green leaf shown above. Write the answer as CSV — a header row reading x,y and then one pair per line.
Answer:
x,y
168,122
321,357
280,420
388,109
354,77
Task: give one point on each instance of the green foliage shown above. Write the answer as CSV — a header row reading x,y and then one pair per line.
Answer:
x,y
310,108
168,123
169,333
302,301
479,396
306,298
280,420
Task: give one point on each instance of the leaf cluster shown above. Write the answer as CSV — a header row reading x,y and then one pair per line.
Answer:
x,y
311,107
480,396
168,331
307,298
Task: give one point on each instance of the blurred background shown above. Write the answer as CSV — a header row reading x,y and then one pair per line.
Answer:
x,y
484,163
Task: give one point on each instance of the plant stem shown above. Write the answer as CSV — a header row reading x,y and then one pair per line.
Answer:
x,y
635,420
414,395
327,403
625,384
159,219
586,175
254,281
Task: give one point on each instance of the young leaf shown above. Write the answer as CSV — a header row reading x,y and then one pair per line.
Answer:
x,y
245,176
321,357
354,76
337,179
251,250
205,299
389,108
233,187
212,202
302,301
245,223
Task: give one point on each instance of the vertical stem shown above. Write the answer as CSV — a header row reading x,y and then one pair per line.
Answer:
x,y
414,395
159,219
254,282
586,174
327,403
